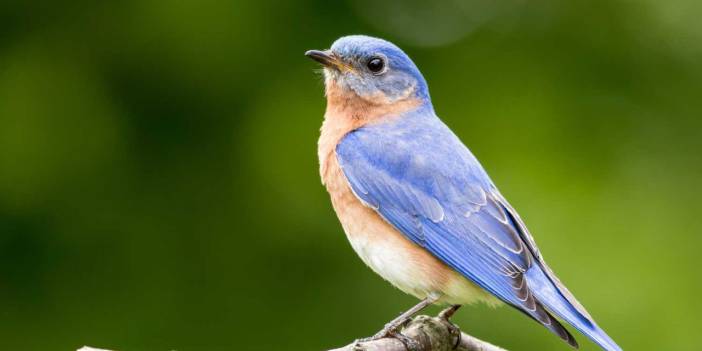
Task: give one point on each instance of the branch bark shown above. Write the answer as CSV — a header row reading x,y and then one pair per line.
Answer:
x,y
431,333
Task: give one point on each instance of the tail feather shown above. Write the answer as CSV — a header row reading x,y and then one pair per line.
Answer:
x,y
557,328
551,323
554,302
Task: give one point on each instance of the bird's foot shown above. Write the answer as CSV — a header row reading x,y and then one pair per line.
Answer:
x,y
391,331
387,331
410,344
454,331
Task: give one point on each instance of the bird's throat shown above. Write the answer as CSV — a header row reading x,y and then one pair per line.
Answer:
x,y
347,112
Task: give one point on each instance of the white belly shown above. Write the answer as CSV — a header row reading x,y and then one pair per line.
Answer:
x,y
391,256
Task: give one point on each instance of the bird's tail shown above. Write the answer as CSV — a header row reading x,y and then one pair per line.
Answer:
x,y
554,297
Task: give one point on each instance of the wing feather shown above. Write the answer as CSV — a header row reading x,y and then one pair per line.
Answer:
x,y
446,203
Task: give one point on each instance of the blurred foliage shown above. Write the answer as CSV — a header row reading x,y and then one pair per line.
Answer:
x,y
158,172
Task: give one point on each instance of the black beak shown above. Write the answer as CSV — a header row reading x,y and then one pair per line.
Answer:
x,y
323,57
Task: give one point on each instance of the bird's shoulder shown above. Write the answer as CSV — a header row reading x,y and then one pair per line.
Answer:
x,y
419,150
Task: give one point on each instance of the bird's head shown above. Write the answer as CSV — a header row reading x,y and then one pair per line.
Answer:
x,y
372,69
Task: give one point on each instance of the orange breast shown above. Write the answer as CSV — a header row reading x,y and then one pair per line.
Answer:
x,y
383,248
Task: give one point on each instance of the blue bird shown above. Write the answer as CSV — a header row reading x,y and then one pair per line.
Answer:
x,y
417,206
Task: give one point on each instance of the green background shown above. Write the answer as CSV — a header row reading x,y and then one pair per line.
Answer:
x,y
159,186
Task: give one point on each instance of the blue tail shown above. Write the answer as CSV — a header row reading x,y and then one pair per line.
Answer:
x,y
559,301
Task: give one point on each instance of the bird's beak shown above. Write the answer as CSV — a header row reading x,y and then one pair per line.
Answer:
x,y
327,59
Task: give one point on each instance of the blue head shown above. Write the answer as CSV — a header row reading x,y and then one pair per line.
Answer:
x,y
373,69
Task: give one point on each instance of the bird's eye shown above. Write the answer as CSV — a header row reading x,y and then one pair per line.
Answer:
x,y
376,65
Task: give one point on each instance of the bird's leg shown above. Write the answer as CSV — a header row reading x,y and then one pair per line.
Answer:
x,y
447,313
405,317
390,328
452,328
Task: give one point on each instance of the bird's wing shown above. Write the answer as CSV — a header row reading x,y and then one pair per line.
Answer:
x,y
421,179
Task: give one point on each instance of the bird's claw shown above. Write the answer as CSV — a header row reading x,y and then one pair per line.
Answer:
x,y
387,331
379,335
410,344
391,331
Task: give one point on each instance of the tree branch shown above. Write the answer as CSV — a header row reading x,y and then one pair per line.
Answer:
x,y
432,334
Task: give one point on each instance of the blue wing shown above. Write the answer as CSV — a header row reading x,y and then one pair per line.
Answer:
x,y
420,178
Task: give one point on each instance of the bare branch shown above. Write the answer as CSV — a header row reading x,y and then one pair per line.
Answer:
x,y
432,333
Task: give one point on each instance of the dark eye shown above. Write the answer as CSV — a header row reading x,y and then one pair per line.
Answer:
x,y
376,64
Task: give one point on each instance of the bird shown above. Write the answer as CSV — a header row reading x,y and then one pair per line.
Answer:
x,y
415,203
